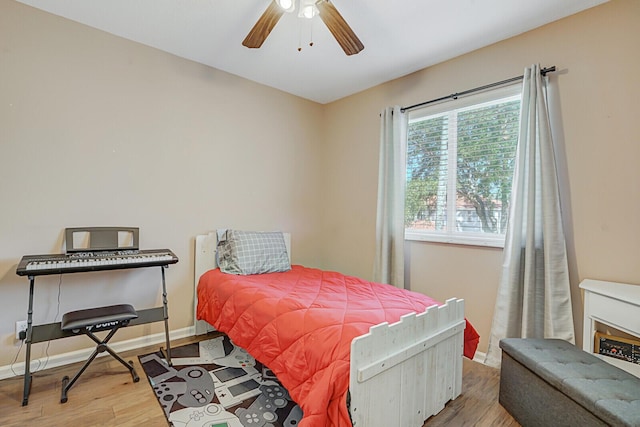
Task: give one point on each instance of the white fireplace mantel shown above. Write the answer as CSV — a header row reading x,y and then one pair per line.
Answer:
x,y
613,304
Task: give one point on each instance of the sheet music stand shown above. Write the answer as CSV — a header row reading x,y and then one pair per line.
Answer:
x,y
101,239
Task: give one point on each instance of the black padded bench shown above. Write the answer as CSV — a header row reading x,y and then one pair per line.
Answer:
x,y
92,320
550,382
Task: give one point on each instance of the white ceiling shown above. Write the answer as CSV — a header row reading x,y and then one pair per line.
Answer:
x,y
400,37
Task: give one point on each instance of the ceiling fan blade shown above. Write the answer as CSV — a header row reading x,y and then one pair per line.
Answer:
x,y
341,31
263,26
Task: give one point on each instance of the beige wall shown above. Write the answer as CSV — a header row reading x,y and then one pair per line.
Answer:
x,y
596,124
97,130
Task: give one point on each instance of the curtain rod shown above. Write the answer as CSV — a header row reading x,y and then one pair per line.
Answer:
x,y
544,72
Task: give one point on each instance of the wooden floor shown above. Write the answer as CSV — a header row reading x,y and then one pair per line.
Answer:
x,y
105,395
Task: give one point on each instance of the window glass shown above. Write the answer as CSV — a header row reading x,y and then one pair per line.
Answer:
x,y
460,162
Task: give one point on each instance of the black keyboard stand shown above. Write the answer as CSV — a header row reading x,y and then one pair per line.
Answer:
x,y
53,331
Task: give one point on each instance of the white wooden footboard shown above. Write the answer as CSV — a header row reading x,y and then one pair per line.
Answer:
x,y
401,374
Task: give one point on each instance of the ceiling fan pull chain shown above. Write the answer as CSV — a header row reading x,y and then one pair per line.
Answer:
x,y
299,36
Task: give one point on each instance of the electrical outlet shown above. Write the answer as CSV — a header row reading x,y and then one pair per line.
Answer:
x,y
21,326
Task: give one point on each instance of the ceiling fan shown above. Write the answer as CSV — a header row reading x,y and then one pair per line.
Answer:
x,y
336,24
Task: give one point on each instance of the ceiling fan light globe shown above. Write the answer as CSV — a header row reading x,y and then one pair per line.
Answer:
x,y
308,11
287,5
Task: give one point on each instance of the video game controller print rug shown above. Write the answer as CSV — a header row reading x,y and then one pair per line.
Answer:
x,y
214,383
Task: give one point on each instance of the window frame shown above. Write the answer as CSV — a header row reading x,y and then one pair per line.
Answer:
x,y
453,236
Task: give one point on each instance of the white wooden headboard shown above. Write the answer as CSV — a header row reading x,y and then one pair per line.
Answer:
x,y
205,260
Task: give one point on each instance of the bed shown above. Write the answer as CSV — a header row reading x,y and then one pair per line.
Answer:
x,y
350,352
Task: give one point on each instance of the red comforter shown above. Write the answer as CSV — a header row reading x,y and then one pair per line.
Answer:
x,y
300,324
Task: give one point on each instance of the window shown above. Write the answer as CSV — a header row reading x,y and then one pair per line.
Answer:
x,y
460,162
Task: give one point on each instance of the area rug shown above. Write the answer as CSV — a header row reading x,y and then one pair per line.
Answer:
x,y
215,383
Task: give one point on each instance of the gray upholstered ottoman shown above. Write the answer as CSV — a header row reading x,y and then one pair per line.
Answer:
x,y
554,383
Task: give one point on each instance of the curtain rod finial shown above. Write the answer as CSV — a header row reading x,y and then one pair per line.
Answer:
x,y
551,69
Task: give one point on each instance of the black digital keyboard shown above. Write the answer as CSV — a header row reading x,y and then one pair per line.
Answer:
x,y
40,265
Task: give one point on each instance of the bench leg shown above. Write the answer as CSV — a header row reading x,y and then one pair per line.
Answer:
x,y
66,384
101,347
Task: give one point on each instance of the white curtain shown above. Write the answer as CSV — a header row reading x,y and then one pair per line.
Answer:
x,y
389,261
534,299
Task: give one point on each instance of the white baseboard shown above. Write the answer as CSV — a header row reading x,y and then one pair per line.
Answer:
x,y
17,368
479,357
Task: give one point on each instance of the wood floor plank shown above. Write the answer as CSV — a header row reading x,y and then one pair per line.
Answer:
x,y
478,404
105,395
